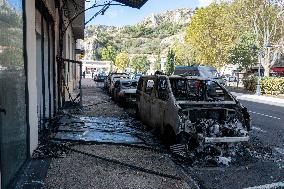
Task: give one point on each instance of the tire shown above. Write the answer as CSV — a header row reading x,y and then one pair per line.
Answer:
x,y
137,112
169,136
189,139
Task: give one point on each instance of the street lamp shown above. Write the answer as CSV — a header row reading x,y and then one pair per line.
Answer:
x,y
260,54
258,86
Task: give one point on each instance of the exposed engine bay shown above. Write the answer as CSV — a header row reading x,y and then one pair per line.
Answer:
x,y
212,125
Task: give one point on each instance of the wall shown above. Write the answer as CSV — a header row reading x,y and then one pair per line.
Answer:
x,y
31,58
33,77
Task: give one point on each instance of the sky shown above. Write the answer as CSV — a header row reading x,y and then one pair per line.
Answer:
x,y
16,4
121,16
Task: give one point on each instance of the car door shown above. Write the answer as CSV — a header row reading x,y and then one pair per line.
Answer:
x,y
146,100
160,102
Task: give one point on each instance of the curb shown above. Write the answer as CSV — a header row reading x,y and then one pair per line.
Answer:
x,y
259,99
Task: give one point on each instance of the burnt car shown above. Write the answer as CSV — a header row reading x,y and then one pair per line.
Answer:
x,y
125,91
113,78
191,110
109,80
100,77
200,71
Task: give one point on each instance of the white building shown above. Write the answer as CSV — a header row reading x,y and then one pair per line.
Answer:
x,y
94,66
36,70
39,69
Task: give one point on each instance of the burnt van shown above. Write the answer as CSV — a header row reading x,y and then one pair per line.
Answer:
x,y
191,109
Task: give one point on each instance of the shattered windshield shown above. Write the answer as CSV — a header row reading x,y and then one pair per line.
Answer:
x,y
129,84
198,90
120,77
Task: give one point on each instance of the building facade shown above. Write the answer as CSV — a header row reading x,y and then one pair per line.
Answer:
x,y
91,67
38,69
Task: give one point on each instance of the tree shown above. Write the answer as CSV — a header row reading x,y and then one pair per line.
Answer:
x,y
122,61
184,55
170,65
265,18
11,38
157,64
140,64
244,51
211,33
109,53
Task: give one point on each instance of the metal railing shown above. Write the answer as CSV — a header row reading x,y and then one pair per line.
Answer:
x,y
70,81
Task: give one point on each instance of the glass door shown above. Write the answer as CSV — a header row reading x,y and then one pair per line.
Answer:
x,y
13,126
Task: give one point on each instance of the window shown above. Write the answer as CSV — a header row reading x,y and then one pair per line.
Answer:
x,y
13,126
198,90
163,92
149,86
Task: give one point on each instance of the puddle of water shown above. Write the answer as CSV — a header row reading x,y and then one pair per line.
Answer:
x,y
100,129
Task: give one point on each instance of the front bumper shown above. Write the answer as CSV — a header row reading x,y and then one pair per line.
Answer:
x,y
225,139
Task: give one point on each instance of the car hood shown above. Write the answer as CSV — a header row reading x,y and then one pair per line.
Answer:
x,y
130,91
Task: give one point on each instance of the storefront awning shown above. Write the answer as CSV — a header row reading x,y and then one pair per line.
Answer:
x,y
278,69
133,3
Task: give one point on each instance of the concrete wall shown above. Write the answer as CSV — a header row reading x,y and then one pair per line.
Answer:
x,y
31,58
33,77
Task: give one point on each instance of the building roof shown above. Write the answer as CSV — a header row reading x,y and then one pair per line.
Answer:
x,y
133,3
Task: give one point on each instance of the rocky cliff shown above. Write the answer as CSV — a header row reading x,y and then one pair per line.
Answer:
x,y
151,36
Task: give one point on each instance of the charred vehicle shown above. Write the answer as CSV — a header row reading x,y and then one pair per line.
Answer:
x,y
112,78
125,91
100,77
191,110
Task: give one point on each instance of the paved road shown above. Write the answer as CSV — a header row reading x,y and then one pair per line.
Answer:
x,y
266,171
268,123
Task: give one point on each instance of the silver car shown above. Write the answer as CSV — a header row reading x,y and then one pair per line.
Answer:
x,y
125,91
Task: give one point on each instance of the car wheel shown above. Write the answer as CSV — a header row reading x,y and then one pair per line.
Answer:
x,y
137,112
168,136
190,140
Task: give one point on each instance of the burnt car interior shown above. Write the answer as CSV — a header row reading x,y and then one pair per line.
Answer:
x,y
198,90
149,86
162,88
129,84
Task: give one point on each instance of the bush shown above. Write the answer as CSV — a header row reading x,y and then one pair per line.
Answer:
x,y
272,85
250,83
269,85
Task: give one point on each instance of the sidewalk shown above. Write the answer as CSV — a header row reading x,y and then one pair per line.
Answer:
x,y
103,147
259,99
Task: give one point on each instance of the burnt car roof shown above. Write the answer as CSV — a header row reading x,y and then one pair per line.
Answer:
x,y
189,77
128,80
177,77
111,74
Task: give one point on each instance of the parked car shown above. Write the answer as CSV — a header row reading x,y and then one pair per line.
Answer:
x,y
137,76
125,91
113,78
229,78
100,77
191,110
107,81
200,71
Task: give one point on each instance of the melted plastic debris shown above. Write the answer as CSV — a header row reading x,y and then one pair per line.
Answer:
x,y
211,128
224,160
216,154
